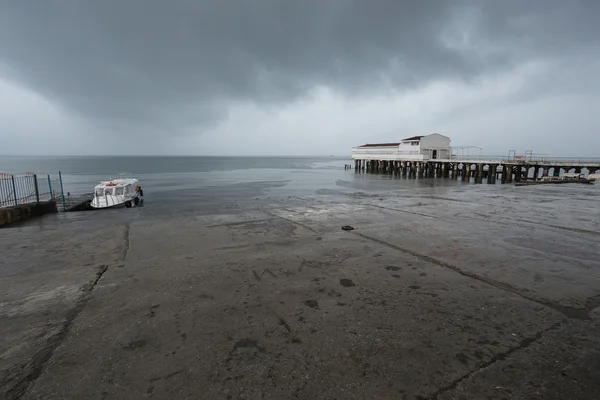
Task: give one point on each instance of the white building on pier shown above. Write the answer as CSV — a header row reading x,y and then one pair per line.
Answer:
x,y
416,148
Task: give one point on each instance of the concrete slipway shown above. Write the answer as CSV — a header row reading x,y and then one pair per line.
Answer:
x,y
472,295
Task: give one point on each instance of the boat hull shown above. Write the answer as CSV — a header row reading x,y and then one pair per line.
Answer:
x,y
103,205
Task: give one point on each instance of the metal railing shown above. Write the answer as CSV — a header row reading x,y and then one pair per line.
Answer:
x,y
20,189
545,159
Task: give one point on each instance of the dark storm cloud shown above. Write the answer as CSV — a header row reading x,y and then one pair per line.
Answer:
x,y
172,63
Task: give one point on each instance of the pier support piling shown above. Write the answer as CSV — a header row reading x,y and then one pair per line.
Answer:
x,y
479,173
466,173
446,170
492,170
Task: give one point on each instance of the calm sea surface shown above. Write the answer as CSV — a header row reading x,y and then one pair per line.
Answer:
x,y
225,184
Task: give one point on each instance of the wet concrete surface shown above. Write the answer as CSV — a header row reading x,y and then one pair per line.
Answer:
x,y
470,294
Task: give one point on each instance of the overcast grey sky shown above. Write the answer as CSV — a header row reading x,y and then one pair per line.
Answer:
x,y
297,76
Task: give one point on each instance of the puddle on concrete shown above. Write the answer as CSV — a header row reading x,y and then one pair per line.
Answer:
x,y
553,248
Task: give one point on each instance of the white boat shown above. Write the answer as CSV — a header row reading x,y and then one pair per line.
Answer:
x,y
117,192
594,177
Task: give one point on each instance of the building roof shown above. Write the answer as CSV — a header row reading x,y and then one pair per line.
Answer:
x,y
380,145
413,138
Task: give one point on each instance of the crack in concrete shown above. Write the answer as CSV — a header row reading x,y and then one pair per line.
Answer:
x,y
525,343
569,312
294,222
41,358
284,323
126,237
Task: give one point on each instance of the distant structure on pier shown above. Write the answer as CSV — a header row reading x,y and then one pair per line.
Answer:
x,y
416,148
432,156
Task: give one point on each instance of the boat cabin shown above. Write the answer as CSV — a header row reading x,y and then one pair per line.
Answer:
x,y
114,189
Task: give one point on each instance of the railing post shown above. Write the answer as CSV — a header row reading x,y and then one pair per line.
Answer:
x,y
37,190
62,191
14,191
50,188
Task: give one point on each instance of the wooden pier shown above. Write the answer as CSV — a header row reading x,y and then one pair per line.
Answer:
x,y
491,170
432,156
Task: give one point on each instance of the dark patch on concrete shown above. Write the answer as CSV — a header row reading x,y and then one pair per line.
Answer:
x,y
463,359
247,344
235,378
396,276
311,303
136,344
393,268
347,282
172,374
423,274
553,248
415,287
284,323
152,311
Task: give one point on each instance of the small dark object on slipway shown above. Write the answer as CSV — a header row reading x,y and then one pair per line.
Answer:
x,y
347,228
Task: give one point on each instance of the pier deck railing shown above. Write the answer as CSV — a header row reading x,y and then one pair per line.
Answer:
x,y
27,188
